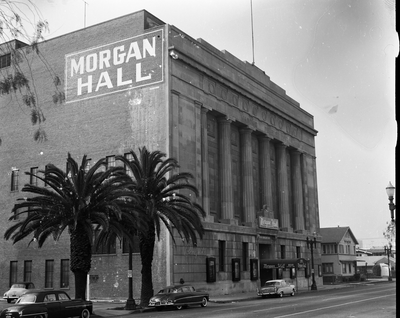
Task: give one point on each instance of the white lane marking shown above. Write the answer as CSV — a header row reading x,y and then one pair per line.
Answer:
x,y
333,306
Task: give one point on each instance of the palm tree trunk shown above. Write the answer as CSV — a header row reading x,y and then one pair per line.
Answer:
x,y
147,241
80,284
81,255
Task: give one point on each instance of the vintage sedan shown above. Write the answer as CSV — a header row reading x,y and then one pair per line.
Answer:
x,y
17,290
48,304
178,296
277,287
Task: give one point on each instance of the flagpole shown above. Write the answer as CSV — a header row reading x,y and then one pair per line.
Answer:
x,y
252,29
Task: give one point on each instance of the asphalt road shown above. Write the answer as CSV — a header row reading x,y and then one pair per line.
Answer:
x,y
366,301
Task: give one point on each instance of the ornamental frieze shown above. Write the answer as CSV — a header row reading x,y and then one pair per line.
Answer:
x,y
223,93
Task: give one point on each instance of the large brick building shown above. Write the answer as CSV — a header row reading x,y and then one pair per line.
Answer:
x,y
136,81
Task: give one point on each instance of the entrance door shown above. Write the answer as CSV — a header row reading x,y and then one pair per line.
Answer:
x,y
265,252
266,274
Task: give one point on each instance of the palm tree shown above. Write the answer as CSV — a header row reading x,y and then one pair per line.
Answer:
x,y
166,199
81,201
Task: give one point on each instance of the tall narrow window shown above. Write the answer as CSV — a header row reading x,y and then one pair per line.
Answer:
x,y
64,274
128,157
110,161
221,255
245,255
298,252
283,251
5,60
45,173
27,271
33,180
14,179
103,248
13,272
49,274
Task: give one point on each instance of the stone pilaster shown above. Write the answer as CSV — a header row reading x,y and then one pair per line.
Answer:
x,y
297,191
283,189
226,171
247,176
205,189
265,174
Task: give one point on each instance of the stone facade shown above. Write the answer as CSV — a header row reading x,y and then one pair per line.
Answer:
x,y
146,83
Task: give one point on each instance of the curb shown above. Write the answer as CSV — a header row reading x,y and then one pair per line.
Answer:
x,y
333,286
125,312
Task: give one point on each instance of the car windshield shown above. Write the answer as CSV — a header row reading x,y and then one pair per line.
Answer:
x,y
167,291
18,286
271,284
26,299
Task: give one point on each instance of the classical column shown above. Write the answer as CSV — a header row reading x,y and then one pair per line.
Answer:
x,y
265,175
283,188
204,165
226,171
247,176
306,193
297,191
315,200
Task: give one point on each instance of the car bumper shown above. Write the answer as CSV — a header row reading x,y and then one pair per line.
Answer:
x,y
266,293
161,304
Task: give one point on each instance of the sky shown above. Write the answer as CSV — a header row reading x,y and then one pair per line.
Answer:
x,y
335,57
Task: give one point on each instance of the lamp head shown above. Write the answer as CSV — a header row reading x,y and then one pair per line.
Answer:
x,y
390,190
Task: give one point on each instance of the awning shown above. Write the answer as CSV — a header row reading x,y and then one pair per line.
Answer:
x,y
283,263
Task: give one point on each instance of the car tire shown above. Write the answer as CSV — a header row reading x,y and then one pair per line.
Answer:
x,y
159,308
204,302
9,300
179,307
292,293
39,316
85,313
280,295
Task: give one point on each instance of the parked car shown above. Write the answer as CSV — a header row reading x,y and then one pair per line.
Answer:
x,y
48,304
276,287
178,296
17,290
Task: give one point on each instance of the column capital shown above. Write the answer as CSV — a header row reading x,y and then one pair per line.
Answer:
x,y
225,119
205,109
246,129
282,145
296,151
265,137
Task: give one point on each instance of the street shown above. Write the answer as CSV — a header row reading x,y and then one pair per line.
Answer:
x,y
359,301
364,300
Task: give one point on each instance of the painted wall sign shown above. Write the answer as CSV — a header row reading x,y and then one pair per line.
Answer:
x,y
114,67
268,223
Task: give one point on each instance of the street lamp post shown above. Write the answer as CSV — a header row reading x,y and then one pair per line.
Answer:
x,y
310,245
388,251
392,207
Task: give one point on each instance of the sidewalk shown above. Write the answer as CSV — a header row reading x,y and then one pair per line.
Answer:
x,y
103,308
